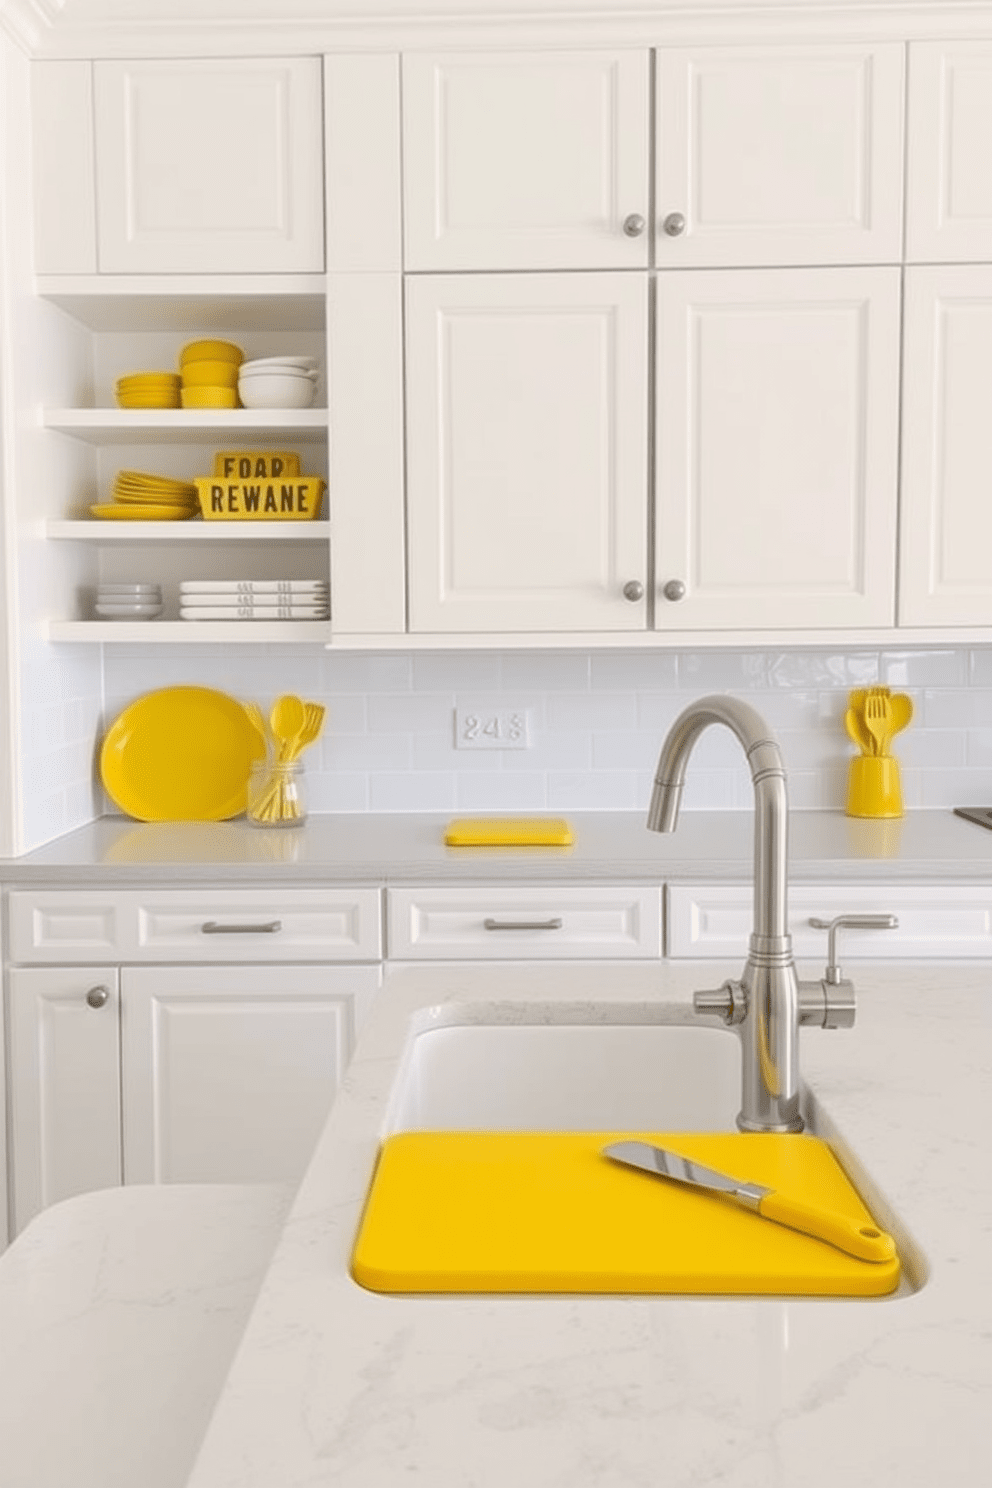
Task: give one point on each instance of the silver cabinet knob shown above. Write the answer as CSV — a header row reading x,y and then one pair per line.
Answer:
x,y
674,224
96,997
633,590
634,225
674,590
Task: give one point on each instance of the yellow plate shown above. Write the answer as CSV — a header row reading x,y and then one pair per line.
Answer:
x,y
142,511
508,831
181,754
483,1211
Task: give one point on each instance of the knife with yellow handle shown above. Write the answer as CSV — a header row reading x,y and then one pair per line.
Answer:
x,y
858,1238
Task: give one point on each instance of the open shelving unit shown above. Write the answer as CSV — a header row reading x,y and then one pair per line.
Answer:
x,y
126,323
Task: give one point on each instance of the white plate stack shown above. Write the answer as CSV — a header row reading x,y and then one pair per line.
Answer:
x,y
254,599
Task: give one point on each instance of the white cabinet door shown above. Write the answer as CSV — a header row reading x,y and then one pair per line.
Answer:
x,y
527,451
526,160
777,445
229,1071
779,154
949,184
946,527
64,1062
209,165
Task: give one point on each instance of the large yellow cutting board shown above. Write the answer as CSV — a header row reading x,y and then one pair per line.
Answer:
x,y
546,1212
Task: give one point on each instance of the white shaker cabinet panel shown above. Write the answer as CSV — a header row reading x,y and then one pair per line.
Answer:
x,y
209,166
526,160
946,527
64,1061
63,165
949,184
229,1072
777,441
779,155
527,451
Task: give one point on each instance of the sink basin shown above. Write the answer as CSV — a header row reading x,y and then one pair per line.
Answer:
x,y
590,1076
499,1068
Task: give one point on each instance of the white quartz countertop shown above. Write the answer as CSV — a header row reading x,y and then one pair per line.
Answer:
x,y
334,1385
407,847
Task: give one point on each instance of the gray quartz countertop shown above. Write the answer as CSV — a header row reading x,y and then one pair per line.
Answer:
x,y
397,848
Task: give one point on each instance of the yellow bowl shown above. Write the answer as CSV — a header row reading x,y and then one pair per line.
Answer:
x,y
296,499
209,397
210,374
211,351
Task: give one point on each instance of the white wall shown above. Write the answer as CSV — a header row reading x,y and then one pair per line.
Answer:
x,y
52,713
599,719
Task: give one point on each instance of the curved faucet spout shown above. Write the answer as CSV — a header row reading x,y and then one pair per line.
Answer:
x,y
770,798
770,1026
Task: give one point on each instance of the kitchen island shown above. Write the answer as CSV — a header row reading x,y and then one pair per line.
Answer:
x,y
335,1385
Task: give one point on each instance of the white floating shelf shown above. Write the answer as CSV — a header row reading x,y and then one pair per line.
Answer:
x,y
207,304
94,529
189,632
186,426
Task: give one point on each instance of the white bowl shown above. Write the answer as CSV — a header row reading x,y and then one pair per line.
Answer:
x,y
128,611
301,363
128,591
276,390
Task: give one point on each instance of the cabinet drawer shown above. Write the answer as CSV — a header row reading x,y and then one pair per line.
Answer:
x,y
714,920
235,924
524,923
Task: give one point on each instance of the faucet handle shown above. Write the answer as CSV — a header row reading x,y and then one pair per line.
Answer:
x,y
834,975
729,1001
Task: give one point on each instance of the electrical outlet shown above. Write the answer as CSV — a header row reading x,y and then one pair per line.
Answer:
x,y
492,728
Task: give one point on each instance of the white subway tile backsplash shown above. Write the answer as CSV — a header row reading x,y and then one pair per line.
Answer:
x,y
599,710
598,720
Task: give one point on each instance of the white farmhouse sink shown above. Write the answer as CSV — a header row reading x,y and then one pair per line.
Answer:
x,y
590,1076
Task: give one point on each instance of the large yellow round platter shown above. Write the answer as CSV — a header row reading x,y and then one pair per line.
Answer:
x,y
181,754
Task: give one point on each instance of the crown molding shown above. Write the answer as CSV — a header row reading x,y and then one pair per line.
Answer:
x,y
28,21
148,28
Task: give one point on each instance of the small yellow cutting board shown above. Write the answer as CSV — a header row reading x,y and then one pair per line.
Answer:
x,y
526,1212
508,831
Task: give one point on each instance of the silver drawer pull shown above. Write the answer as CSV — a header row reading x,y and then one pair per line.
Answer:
x,y
214,927
553,924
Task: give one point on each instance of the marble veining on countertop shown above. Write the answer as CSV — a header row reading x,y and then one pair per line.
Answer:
x,y
337,1387
409,847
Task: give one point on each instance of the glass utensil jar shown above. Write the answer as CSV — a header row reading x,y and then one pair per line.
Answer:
x,y
276,794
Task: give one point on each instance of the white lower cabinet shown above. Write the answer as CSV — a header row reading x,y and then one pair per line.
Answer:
x,y
192,1074
228,1072
65,1085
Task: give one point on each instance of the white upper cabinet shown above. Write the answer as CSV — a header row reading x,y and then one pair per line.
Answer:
x,y
209,166
526,160
779,155
527,445
949,183
946,529
777,448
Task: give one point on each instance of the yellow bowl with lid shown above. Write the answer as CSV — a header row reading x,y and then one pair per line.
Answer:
x,y
209,397
210,374
211,351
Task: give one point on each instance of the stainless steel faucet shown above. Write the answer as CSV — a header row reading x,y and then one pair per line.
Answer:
x,y
769,1002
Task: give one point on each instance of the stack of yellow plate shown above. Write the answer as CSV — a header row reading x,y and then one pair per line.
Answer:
x,y
148,390
139,497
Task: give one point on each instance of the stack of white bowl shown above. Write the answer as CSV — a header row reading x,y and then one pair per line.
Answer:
x,y
278,382
128,601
